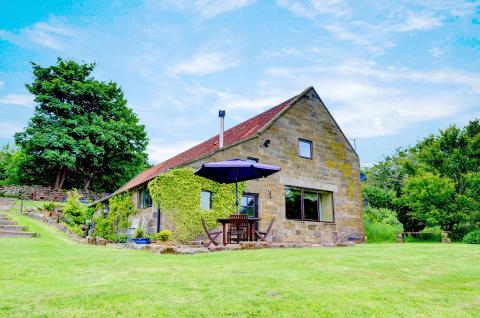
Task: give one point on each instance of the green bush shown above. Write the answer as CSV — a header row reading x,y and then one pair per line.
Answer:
x,y
164,236
378,197
381,232
74,211
139,233
380,215
50,206
76,229
121,206
118,238
104,228
472,237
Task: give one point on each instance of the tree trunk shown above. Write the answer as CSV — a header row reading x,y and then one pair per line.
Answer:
x,y
62,179
57,179
87,183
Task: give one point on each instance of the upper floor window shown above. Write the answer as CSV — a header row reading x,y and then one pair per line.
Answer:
x,y
308,205
206,200
305,148
144,199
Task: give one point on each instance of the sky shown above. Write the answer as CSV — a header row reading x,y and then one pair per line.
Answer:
x,y
390,72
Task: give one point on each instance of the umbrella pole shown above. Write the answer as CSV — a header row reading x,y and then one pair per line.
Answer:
x,y
236,189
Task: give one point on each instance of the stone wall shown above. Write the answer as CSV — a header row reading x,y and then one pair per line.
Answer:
x,y
42,193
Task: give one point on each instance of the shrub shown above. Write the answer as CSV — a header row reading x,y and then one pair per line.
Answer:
x,y
138,233
472,237
89,213
76,229
121,206
378,197
380,215
164,236
118,238
50,206
381,232
104,228
74,211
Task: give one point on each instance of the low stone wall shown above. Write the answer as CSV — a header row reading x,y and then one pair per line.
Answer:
x,y
42,193
175,248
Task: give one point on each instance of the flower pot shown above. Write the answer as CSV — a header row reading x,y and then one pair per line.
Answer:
x,y
141,240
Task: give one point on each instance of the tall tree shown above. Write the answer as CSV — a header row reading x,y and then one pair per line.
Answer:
x,y
82,129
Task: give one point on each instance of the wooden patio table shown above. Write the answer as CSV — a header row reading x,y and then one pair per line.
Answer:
x,y
250,229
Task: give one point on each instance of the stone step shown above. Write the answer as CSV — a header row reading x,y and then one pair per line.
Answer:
x,y
13,227
4,233
7,222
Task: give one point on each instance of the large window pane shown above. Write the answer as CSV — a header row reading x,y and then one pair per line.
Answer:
x,y
327,207
310,203
206,200
293,203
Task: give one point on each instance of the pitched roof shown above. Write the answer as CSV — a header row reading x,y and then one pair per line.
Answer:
x,y
236,134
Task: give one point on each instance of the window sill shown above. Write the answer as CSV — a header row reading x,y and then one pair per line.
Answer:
x,y
312,221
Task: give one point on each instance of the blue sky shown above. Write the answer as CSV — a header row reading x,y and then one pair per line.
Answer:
x,y
391,72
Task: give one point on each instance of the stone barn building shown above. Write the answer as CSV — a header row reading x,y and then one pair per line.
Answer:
x,y
315,198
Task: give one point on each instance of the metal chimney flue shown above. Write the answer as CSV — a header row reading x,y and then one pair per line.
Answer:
x,y
221,115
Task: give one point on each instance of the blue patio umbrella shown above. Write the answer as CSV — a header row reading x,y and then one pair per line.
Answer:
x,y
235,170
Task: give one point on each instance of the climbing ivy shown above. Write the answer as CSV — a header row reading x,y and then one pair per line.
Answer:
x,y
178,191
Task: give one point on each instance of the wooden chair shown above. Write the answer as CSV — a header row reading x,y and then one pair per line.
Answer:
x,y
212,235
238,227
262,236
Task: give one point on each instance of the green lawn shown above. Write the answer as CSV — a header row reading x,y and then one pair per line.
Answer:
x,y
51,276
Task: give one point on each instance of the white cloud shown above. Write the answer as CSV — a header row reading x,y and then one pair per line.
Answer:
x,y
369,101
17,99
52,34
7,130
203,8
313,8
420,22
205,62
160,150
438,52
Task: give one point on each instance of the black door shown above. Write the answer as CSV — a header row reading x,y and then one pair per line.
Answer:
x,y
249,204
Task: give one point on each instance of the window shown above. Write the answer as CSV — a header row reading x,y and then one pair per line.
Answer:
x,y
308,205
144,199
206,200
305,148
249,204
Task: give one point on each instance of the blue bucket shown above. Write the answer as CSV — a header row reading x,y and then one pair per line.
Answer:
x,y
141,240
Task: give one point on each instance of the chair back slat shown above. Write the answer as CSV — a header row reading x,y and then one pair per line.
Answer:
x,y
238,220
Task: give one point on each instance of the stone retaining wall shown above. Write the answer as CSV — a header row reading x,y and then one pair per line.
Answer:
x,y
42,193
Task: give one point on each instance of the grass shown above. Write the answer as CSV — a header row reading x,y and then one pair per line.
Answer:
x,y
51,276
381,233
